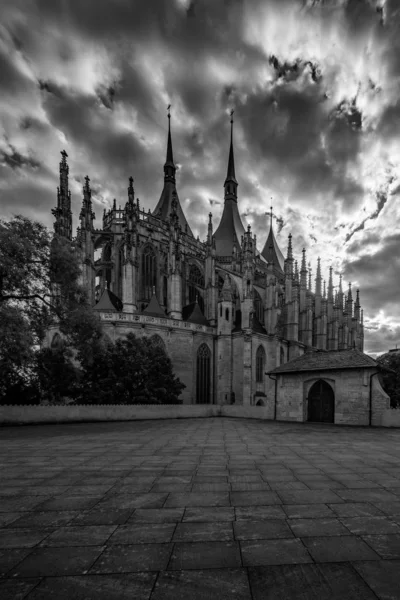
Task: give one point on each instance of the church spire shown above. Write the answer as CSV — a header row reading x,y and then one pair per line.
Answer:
x,y
230,175
169,166
271,251
230,228
62,213
163,208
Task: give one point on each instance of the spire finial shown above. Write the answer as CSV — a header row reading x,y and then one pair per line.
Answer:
x,y
230,175
170,157
169,111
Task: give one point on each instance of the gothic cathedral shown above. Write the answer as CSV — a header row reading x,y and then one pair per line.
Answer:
x,y
226,313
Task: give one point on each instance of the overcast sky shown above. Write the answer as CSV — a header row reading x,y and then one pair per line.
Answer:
x,y
315,85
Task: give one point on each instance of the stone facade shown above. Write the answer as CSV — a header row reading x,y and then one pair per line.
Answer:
x,y
355,391
225,312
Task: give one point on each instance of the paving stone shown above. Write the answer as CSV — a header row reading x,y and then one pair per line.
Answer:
x,y
57,561
338,549
224,584
130,559
287,485
171,487
135,586
386,545
366,495
69,503
24,504
317,527
198,499
355,509
204,514
210,487
39,520
16,589
309,497
10,557
98,516
370,525
309,582
9,517
257,498
205,555
258,530
90,535
382,577
142,533
22,538
307,511
204,532
274,552
259,513
388,508
123,502
157,515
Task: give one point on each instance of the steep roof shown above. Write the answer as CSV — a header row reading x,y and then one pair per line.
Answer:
x,y
153,308
271,251
192,314
108,302
328,360
230,229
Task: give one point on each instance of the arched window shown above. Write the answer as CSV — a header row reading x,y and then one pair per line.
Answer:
x,y
258,306
196,286
149,273
260,364
165,291
227,314
107,256
203,379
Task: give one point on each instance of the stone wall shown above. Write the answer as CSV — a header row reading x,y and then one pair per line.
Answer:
x,y
70,414
352,395
390,417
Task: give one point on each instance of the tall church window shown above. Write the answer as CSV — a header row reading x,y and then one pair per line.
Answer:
x,y
158,341
203,378
165,291
149,274
107,256
258,307
196,286
260,364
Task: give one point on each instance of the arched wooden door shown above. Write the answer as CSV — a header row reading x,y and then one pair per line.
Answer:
x,y
321,403
203,372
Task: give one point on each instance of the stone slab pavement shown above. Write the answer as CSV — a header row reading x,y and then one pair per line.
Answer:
x,y
199,509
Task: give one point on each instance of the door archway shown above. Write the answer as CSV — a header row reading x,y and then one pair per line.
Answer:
x,y
321,403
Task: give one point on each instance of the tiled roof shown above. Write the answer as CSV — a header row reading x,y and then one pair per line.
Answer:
x,y
193,314
153,308
327,360
108,302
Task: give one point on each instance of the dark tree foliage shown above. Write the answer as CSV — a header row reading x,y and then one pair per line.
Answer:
x,y
33,266
390,376
131,371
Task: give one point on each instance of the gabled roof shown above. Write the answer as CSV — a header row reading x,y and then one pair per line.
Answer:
x,y
153,308
108,302
326,360
271,251
192,314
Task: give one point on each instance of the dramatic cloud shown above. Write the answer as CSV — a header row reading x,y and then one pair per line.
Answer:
x,y
315,85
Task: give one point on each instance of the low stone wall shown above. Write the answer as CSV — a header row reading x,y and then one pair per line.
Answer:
x,y
390,418
70,414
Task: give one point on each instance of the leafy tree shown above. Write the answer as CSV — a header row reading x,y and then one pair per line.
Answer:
x,y
391,376
131,371
35,267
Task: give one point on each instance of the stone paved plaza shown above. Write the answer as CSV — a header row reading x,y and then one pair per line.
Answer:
x,y
199,509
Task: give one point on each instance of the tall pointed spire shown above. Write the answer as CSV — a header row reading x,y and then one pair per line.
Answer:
x,y
169,166
230,228
163,208
330,285
230,175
